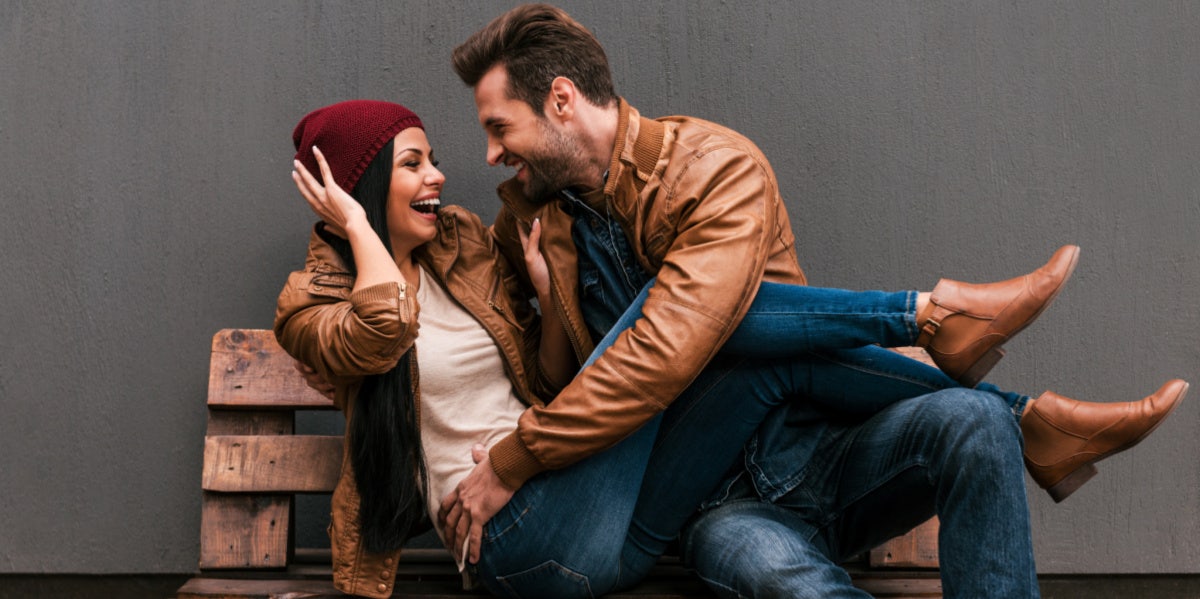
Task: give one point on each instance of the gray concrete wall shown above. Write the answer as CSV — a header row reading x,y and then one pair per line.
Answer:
x,y
145,148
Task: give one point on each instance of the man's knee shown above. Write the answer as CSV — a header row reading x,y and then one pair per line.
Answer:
x,y
973,427
970,409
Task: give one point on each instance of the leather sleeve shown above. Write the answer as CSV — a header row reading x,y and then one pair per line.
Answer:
x,y
342,335
724,206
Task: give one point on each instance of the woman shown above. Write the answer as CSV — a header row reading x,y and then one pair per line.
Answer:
x,y
386,259
351,315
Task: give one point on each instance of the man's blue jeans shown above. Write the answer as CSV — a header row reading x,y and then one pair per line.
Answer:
x,y
956,453
599,525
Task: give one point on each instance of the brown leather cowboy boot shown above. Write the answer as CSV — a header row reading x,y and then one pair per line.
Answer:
x,y
964,325
1064,438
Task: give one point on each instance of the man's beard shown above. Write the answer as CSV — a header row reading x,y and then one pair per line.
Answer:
x,y
556,164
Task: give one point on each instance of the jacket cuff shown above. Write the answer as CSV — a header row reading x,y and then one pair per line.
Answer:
x,y
382,292
513,462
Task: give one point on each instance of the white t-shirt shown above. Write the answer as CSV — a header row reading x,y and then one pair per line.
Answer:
x,y
466,398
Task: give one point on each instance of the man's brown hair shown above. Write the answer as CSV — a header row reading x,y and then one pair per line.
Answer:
x,y
536,43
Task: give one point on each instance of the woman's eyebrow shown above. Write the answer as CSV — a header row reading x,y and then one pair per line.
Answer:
x,y
405,150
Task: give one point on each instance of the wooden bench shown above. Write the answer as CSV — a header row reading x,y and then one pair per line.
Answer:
x,y
255,465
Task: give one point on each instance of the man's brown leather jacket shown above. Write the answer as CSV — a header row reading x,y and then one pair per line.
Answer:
x,y
701,209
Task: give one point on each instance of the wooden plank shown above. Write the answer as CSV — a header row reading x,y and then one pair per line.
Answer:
x,y
244,531
272,463
214,588
917,549
248,369
900,587
226,588
238,422
234,588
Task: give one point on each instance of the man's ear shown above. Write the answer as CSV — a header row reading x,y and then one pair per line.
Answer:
x,y
560,103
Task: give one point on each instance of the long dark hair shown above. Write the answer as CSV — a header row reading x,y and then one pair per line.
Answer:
x,y
385,441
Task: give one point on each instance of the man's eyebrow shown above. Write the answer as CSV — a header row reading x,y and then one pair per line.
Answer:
x,y
492,121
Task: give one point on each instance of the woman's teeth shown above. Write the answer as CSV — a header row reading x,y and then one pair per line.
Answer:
x,y
429,206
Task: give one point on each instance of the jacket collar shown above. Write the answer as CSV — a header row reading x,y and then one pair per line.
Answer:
x,y
638,147
438,255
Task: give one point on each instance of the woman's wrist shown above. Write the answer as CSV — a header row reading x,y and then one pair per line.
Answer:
x,y
356,227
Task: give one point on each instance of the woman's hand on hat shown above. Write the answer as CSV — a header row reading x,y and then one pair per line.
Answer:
x,y
330,202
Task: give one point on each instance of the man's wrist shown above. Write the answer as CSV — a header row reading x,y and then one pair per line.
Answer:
x,y
512,462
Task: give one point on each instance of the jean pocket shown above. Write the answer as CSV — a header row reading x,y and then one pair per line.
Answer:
x,y
550,580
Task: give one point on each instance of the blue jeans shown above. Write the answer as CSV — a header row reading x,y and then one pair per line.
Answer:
x,y
954,453
600,525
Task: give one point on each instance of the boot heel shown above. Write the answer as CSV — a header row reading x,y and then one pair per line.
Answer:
x,y
1071,483
971,376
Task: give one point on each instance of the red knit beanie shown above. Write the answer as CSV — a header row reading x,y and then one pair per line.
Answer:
x,y
349,134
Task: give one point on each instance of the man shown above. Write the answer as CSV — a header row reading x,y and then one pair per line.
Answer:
x,y
620,200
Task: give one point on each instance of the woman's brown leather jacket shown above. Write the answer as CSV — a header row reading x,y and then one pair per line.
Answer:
x,y
346,336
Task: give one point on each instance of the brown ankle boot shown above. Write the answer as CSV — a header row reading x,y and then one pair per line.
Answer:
x,y
1064,438
965,325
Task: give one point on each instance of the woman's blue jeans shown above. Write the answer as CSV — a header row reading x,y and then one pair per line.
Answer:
x,y
600,525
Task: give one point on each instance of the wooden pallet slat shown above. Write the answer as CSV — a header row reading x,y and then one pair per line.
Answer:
x,y
917,549
250,370
244,531
272,464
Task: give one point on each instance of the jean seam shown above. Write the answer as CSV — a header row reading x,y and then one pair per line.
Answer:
x,y
713,583
723,492
1018,407
879,372
504,580
489,539
917,460
707,389
910,315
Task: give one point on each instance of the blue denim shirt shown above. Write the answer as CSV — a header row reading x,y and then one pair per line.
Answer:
x,y
782,452
609,275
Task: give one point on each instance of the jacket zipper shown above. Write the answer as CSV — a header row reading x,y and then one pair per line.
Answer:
x,y
497,308
562,317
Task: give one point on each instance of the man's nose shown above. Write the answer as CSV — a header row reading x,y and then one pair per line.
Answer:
x,y
495,153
